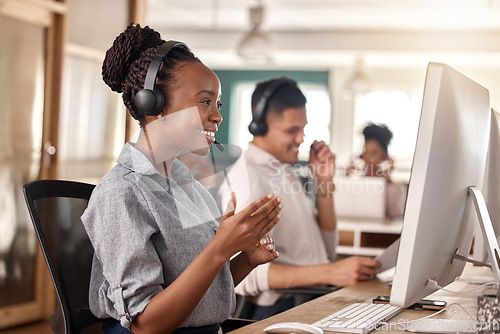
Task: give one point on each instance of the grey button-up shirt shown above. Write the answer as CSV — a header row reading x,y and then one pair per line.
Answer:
x,y
146,229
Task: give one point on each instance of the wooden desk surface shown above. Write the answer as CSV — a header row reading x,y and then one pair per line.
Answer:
x,y
364,292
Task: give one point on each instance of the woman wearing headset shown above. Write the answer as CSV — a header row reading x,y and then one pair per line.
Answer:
x,y
375,157
377,162
162,250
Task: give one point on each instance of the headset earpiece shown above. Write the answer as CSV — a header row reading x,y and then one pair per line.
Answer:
x,y
150,100
258,126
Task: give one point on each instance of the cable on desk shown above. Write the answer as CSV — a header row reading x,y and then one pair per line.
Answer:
x,y
433,284
432,315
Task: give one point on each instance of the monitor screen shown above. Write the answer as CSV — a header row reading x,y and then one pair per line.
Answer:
x,y
450,156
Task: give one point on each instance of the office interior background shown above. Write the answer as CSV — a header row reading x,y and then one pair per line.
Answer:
x,y
358,61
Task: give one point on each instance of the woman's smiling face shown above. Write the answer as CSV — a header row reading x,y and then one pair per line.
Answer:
x,y
191,115
199,87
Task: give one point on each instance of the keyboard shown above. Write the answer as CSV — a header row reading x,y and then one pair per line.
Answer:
x,y
357,318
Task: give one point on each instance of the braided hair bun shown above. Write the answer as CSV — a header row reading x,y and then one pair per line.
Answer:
x,y
380,133
127,61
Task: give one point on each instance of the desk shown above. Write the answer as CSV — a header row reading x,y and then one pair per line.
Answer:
x,y
355,235
366,291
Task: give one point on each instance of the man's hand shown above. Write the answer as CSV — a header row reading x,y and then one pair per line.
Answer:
x,y
322,162
351,270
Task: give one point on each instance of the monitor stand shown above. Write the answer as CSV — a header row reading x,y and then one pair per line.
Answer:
x,y
487,231
450,326
488,234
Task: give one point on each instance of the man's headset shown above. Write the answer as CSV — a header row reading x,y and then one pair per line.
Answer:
x,y
258,126
150,100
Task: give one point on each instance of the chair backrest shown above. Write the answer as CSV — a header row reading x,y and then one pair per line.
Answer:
x,y
55,207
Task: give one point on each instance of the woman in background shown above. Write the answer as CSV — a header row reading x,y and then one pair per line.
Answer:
x,y
375,156
377,162
162,250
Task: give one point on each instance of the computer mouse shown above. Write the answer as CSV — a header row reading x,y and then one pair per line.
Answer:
x,y
293,327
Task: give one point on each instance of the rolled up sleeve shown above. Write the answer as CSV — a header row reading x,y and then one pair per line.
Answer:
x,y
256,282
127,271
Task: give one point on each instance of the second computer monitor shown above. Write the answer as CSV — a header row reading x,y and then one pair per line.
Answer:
x,y
450,156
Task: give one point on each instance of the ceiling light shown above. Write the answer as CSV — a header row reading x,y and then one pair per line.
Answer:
x,y
256,45
358,81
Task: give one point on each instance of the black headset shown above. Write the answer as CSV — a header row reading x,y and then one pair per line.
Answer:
x,y
258,126
150,100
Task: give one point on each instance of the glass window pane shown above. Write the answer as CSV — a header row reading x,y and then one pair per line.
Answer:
x,y
243,117
318,117
92,117
92,122
21,111
96,23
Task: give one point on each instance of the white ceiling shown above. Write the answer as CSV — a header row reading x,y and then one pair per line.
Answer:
x,y
318,15
330,32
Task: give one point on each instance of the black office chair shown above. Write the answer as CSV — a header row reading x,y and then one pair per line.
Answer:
x,y
307,293
55,207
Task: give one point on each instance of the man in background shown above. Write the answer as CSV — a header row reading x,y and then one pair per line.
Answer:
x,y
306,235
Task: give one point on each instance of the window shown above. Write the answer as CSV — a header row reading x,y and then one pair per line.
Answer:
x,y
318,116
92,117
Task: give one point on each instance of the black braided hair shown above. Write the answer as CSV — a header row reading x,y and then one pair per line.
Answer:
x,y
380,133
127,61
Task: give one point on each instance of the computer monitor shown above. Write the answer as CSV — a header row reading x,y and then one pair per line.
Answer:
x,y
360,197
450,157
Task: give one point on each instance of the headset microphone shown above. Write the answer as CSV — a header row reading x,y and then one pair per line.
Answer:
x,y
219,145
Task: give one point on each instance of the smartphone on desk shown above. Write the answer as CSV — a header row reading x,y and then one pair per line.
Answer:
x,y
424,304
